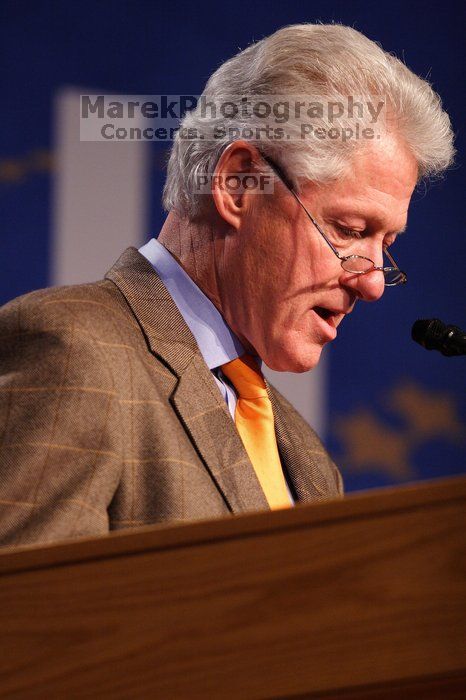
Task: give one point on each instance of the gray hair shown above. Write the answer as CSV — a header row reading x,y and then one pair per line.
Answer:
x,y
311,60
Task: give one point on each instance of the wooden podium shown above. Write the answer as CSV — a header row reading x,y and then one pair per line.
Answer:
x,y
359,598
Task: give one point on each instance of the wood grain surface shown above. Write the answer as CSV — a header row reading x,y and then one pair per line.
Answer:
x,y
363,597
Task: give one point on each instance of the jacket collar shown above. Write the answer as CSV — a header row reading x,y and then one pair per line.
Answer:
x,y
195,397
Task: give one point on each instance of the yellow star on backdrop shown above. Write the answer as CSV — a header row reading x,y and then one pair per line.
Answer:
x,y
428,414
16,170
370,445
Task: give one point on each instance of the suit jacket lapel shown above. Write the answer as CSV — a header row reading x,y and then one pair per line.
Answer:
x,y
302,452
208,422
196,397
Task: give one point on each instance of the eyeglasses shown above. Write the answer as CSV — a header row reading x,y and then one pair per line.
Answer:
x,y
356,264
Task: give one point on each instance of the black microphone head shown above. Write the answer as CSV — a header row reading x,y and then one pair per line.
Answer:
x,y
428,332
433,334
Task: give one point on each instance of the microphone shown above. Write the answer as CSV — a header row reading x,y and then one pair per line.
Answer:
x,y
433,334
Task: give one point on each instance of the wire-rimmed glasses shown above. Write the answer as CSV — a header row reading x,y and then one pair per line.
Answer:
x,y
355,264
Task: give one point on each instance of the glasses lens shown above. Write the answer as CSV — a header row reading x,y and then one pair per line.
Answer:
x,y
357,264
394,276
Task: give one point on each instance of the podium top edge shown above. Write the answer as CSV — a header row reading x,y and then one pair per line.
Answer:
x,y
143,540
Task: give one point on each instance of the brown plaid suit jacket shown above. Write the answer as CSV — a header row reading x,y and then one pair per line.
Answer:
x,y
110,418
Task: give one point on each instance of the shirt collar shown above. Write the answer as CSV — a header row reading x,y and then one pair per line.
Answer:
x,y
217,342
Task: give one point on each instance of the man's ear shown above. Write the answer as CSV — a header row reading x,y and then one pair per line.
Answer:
x,y
230,191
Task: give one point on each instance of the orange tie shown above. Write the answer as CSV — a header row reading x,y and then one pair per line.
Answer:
x,y
254,420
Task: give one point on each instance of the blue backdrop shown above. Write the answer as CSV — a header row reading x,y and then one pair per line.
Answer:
x,y
396,412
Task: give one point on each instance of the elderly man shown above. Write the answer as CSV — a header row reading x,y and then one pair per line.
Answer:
x,y
139,399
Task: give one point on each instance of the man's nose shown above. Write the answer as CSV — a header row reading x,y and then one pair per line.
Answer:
x,y
368,287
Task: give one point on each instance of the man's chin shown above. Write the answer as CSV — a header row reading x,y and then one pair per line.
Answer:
x,y
298,359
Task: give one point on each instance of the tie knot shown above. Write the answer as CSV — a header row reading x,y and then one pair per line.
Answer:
x,y
246,377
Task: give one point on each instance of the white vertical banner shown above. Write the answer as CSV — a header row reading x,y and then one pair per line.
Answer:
x,y
100,197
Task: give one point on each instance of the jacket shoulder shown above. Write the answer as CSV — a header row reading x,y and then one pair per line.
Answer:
x,y
97,308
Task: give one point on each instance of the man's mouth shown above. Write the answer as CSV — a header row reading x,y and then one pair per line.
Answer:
x,y
323,313
331,316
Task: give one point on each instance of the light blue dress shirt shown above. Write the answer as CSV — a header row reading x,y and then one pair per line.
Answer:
x,y
217,342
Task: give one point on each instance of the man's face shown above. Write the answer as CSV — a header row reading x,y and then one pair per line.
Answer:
x,y
285,292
